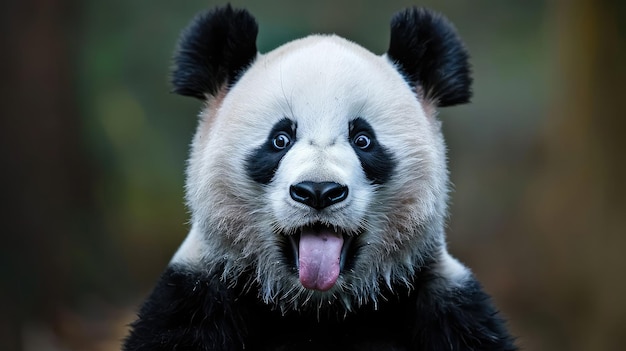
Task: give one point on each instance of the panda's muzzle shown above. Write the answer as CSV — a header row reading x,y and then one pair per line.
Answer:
x,y
318,195
319,249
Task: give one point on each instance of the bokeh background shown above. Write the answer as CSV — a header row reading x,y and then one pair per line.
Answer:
x,y
93,149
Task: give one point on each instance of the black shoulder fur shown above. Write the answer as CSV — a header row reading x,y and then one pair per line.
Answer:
x,y
194,311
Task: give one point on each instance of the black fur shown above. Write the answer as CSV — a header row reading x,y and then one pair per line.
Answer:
x,y
426,48
195,311
376,160
213,51
263,161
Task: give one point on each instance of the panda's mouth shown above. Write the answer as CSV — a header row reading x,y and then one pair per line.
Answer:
x,y
320,253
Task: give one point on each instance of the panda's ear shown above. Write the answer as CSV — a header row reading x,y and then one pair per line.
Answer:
x,y
213,51
425,47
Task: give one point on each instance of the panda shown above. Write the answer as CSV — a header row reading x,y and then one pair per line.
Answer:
x,y
317,186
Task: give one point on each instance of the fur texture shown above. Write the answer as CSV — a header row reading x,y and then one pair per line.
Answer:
x,y
213,51
266,267
428,50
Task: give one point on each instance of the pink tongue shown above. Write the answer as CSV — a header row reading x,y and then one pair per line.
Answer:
x,y
319,255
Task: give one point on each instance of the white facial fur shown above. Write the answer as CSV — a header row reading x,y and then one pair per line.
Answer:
x,y
321,83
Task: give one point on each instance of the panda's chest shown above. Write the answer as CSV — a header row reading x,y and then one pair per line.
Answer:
x,y
368,329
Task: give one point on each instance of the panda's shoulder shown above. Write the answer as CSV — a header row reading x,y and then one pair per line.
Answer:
x,y
177,311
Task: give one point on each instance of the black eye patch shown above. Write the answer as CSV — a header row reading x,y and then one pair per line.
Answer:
x,y
377,162
263,161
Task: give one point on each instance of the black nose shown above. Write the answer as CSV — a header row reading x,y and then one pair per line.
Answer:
x,y
318,195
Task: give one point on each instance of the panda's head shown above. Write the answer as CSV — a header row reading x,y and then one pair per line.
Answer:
x,y
318,170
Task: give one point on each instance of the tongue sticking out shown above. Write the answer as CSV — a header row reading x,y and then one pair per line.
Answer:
x,y
319,256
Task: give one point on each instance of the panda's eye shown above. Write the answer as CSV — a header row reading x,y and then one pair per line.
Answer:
x,y
362,141
281,141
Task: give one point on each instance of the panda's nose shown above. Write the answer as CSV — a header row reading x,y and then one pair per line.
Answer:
x,y
318,194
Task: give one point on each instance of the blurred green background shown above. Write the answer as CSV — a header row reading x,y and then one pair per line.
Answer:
x,y
93,150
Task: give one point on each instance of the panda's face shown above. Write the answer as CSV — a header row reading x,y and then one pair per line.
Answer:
x,y
320,171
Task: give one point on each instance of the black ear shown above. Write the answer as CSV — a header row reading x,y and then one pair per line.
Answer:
x,y
213,51
427,50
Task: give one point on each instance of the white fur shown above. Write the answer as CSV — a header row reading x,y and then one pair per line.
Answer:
x,y
454,272
321,82
191,250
